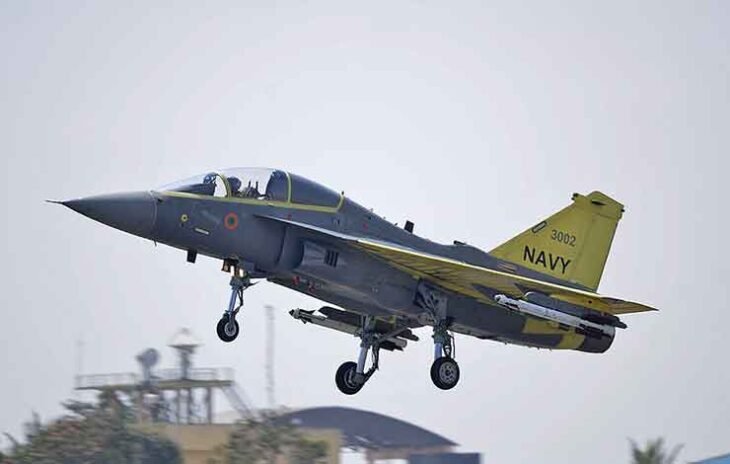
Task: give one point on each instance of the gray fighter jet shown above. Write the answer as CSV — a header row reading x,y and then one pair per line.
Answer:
x,y
538,289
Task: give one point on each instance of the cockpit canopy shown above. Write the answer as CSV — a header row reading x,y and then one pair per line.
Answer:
x,y
271,185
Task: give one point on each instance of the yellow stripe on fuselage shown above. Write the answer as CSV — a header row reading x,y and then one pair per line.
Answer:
x,y
255,202
569,341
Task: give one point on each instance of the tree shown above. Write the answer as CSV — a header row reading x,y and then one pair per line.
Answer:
x,y
307,452
94,434
653,453
263,441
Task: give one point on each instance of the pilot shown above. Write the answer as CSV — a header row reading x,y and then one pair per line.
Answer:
x,y
235,184
207,187
251,191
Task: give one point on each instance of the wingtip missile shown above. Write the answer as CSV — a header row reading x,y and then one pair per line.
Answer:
x,y
581,325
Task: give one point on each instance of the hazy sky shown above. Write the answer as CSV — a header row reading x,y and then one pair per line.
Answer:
x,y
474,120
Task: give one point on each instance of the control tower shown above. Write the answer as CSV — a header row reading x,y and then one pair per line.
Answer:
x,y
180,395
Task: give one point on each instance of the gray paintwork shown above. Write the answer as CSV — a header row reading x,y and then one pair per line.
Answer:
x,y
267,243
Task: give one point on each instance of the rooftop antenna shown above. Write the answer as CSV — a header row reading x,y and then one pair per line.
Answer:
x,y
270,385
185,344
182,395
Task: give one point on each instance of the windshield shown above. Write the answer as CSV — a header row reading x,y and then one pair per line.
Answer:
x,y
252,183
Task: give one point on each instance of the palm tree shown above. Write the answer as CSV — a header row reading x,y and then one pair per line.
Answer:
x,y
653,453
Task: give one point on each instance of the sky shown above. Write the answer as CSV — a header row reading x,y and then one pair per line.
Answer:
x,y
474,120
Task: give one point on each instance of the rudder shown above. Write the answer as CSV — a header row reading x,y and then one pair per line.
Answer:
x,y
572,244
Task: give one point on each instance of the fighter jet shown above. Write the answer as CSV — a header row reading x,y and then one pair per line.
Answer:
x,y
381,281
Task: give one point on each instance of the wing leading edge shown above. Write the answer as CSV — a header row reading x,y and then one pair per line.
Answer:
x,y
473,281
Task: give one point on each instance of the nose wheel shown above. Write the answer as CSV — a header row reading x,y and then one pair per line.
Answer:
x,y
228,327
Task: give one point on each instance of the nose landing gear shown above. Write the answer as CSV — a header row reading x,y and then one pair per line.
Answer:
x,y
228,328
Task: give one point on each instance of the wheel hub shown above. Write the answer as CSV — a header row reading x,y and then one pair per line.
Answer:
x,y
447,373
230,328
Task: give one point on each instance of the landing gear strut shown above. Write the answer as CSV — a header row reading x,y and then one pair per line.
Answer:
x,y
444,370
351,376
228,327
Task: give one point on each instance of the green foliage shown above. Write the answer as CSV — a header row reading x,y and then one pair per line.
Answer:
x,y
653,453
94,435
261,441
307,452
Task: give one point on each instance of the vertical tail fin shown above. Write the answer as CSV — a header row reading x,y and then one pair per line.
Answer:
x,y
572,244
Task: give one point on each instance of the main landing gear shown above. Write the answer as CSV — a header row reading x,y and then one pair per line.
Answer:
x,y
444,370
228,327
351,376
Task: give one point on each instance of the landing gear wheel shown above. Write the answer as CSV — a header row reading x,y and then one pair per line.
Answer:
x,y
227,329
445,373
345,378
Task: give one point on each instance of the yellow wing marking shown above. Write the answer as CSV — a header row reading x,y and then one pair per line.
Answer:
x,y
463,278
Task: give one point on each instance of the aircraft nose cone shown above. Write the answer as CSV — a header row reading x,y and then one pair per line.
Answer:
x,y
133,212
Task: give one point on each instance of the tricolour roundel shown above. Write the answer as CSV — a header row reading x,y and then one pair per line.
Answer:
x,y
230,221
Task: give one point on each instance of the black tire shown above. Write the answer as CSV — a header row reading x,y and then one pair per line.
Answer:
x,y
445,373
345,378
227,332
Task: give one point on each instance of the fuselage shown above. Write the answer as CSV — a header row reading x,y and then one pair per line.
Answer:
x,y
254,226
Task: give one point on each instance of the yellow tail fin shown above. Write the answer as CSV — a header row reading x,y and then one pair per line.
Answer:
x,y
572,244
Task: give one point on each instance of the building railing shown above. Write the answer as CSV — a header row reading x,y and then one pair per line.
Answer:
x,y
224,374
202,374
106,380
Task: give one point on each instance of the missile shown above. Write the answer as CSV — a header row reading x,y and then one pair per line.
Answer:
x,y
317,319
580,325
